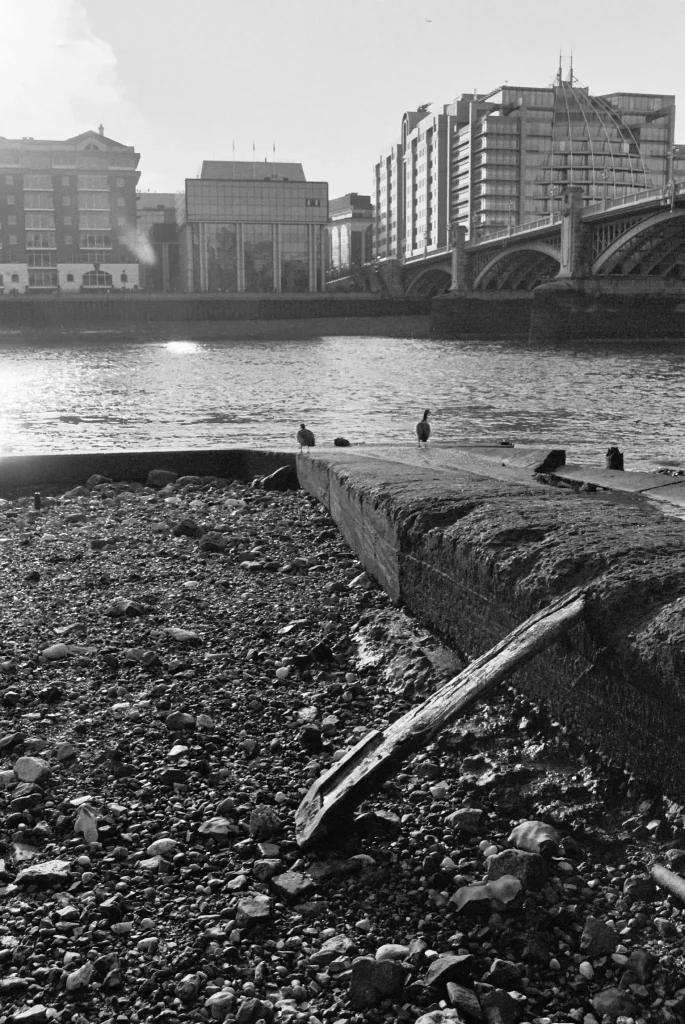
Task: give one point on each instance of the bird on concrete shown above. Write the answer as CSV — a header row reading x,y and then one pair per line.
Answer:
x,y
423,428
305,438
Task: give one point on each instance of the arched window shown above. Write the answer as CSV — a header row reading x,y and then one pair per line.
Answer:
x,y
97,279
124,277
15,278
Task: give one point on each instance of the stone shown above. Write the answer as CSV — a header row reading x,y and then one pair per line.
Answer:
x,y
264,822
392,951
293,885
530,868
188,528
614,1003
503,974
35,1014
65,751
253,910
440,1017
47,872
182,636
220,1004
641,963
639,887
499,1007
598,939
162,848
465,818
220,829
449,967
283,479
161,477
251,1011
189,987
213,542
464,999
179,721
80,978
266,868
96,479
56,652
374,980
337,945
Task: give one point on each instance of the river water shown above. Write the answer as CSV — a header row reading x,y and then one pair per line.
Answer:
x,y
110,396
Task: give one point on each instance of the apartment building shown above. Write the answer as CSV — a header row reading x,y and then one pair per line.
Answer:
x,y
68,215
349,233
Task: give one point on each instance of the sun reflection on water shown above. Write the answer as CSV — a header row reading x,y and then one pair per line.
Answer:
x,y
181,347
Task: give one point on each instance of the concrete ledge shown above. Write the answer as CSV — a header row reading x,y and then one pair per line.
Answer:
x,y
26,472
473,556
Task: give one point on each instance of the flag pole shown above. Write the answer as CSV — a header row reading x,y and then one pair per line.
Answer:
x,y
234,159
254,165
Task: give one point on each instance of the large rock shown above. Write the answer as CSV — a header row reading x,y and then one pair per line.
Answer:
x,y
500,1008
161,477
48,872
530,868
337,945
373,980
253,910
598,939
283,479
614,1003
293,885
449,967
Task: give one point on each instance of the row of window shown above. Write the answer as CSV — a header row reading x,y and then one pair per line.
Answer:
x,y
47,240
45,181
86,201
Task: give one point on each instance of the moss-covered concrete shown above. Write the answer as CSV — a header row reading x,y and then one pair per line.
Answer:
x,y
473,556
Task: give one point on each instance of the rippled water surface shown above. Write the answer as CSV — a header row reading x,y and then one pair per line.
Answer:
x,y
106,395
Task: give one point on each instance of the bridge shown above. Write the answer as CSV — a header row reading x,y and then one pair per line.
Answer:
x,y
640,235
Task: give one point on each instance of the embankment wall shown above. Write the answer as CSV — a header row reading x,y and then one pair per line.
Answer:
x,y
473,557
482,316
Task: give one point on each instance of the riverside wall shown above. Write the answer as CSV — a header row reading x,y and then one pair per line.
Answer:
x,y
473,557
140,317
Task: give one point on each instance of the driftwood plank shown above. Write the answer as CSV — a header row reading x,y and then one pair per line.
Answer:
x,y
332,798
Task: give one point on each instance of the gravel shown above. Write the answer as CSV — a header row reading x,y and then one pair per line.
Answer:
x,y
178,663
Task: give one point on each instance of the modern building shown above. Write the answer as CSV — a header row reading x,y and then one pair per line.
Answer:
x,y
158,244
490,161
349,233
251,227
68,215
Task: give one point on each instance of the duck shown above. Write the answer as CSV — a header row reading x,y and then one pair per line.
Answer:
x,y
423,428
305,438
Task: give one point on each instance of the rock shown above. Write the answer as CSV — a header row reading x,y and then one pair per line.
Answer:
x,y
161,477
283,479
32,769
641,964
56,652
503,974
13,985
220,1004
614,1003
220,829
374,980
96,480
465,1000
213,542
264,822
188,528
49,872
122,606
440,1017
293,885
598,939
86,823
179,721
182,636
449,967
639,887
189,987
465,818
65,751
499,1007
337,945
251,1011
266,868
35,1014
162,848
341,442
530,868
253,910
392,951
80,979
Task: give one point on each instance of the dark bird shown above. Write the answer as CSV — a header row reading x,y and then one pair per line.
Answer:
x,y
305,438
423,428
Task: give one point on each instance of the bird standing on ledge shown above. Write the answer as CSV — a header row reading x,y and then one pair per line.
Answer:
x,y
305,438
423,428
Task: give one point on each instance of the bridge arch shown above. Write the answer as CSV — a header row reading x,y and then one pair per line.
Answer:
x,y
513,269
430,281
647,246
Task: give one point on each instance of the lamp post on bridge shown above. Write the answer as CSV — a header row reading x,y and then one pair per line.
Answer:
x,y
553,193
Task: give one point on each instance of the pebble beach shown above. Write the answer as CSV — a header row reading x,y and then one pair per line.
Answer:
x,y
179,661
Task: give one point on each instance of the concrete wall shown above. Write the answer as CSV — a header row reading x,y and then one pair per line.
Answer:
x,y
84,311
473,557
25,473
482,316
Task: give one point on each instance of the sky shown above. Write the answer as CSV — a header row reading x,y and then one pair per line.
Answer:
x,y
325,83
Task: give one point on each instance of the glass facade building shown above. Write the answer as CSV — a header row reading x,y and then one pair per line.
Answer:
x,y
500,159
68,215
158,244
242,233
349,233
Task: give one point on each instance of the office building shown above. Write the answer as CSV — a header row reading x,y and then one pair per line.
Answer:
x,y
68,214
490,161
251,227
158,245
349,233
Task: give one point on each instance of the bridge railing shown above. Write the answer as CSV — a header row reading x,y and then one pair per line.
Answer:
x,y
518,229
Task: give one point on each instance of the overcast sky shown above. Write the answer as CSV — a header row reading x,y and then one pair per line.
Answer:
x,y
326,82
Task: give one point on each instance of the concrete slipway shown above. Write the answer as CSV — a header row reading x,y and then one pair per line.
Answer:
x,y
472,544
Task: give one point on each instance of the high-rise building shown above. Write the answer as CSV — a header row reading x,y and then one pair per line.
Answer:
x,y
490,161
251,227
68,215
158,245
350,233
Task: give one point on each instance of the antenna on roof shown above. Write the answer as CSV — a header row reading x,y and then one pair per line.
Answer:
x,y
233,144
570,68
101,129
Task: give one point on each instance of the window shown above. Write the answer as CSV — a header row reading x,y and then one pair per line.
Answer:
x,y
15,278
93,201
40,240
95,241
41,259
313,202
14,240
10,200
38,181
121,221
93,181
66,200
68,240
94,221
38,201
124,278
67,222
9,180
70,277
120,182
97,279
40,222
66,182
43,279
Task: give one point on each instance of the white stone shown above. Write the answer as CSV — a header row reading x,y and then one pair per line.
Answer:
x,y
32,769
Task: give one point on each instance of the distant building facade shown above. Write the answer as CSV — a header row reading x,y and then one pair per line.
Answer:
x,y
349,233
159,250
68,215
490,161
252,227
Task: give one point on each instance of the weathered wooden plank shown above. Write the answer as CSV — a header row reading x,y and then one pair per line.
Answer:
x,y
332,797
